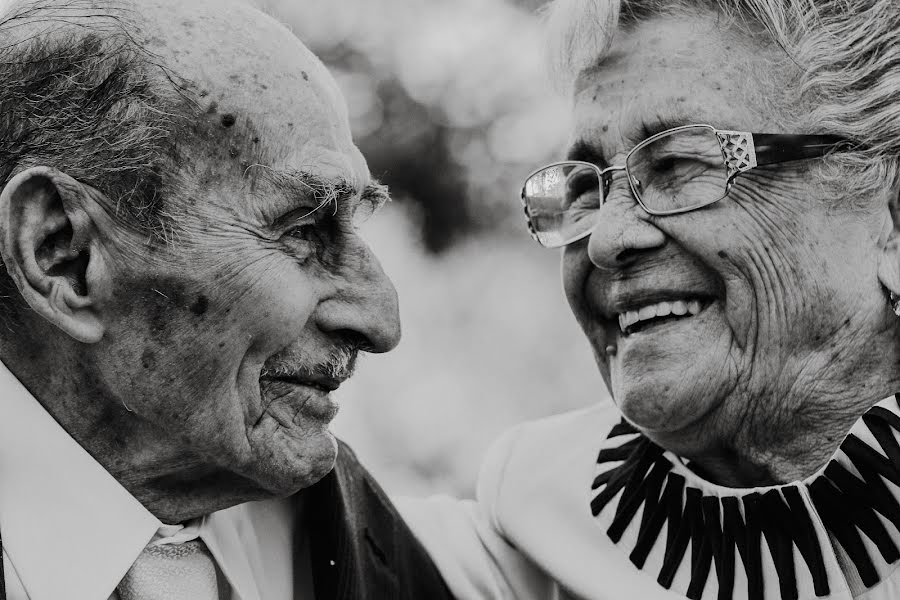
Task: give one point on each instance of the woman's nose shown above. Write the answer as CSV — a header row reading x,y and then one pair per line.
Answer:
x,y
623,232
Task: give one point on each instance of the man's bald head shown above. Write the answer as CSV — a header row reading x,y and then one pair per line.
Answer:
x,y
110,91
98,88
81,94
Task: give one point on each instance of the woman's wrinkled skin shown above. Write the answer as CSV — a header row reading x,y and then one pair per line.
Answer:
x,y
798,339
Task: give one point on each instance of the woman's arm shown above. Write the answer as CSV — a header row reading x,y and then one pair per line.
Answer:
x,y
467,543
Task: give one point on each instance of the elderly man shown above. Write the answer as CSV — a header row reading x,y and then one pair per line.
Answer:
x,y
184,287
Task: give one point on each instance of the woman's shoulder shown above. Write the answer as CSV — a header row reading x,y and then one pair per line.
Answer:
x,y
536,489
551,442
590,424
552,458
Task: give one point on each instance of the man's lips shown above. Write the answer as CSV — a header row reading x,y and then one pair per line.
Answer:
x,y
325,384
309,396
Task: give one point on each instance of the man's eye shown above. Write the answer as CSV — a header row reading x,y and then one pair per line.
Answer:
x,y
302,241
306,232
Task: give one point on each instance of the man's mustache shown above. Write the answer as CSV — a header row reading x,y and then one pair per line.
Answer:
x,y
338,366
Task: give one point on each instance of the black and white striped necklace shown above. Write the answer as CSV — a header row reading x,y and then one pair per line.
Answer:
x,y
847,513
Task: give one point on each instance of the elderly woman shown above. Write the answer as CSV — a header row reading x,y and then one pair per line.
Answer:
x,y
728,215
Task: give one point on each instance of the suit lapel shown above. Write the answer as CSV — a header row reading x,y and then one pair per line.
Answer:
x,y
351,535
2,578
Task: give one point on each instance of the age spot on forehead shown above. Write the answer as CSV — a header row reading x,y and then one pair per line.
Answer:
x,y
148,359
200,306
228,120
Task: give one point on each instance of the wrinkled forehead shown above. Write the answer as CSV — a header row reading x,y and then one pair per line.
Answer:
x,y
671,71
258,83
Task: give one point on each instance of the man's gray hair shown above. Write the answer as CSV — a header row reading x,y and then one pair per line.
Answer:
x,y
847,51
79,93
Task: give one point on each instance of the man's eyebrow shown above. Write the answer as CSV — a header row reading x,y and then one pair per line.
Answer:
x,y
299,184
376,193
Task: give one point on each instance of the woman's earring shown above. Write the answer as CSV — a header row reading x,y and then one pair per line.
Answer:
x,y
895,303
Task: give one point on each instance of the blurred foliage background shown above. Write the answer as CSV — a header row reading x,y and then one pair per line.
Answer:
x,y
450,104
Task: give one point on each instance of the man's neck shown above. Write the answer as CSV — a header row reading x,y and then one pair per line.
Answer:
x,y
173,483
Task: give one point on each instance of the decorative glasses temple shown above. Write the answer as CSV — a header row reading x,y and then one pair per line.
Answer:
x,y
763,149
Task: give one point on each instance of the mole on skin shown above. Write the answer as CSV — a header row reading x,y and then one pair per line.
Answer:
x,y
199,307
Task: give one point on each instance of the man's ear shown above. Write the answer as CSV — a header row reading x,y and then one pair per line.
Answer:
x,y
46,237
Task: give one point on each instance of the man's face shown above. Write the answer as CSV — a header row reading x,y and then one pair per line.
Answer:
x,y
781,279
229,340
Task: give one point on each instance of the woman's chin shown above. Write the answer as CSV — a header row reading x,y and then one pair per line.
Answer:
x,y
659,413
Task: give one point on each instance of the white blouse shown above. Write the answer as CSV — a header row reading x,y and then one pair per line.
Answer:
x,y
581,505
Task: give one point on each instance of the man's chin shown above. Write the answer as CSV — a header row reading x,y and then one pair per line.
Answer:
x,y
295,465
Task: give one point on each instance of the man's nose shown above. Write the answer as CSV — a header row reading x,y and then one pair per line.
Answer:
x,y
364,303
623,232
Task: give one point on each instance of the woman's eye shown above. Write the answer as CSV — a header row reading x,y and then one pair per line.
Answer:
x,y
664,164
582,190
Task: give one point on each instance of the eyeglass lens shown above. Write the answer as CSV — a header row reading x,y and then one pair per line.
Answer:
x,y
675,172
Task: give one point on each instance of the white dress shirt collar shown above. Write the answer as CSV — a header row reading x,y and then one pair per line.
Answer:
x,y
69,528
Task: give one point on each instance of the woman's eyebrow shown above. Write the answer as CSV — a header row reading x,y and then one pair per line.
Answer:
x,y
585,151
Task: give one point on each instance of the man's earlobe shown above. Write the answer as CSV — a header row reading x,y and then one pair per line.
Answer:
x,y
46,237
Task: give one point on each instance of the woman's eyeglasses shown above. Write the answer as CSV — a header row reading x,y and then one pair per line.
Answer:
x,y
674,171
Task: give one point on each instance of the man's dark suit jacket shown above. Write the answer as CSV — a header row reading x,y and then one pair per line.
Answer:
x,y
360,547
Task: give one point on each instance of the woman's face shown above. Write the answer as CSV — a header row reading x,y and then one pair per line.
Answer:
x,y
785,281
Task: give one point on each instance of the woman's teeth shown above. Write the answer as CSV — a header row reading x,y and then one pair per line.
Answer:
x,y
660,309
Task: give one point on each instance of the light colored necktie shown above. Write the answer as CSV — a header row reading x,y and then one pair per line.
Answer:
x,y
172,572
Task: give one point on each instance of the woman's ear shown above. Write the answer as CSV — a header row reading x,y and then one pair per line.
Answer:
x,y
46,237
